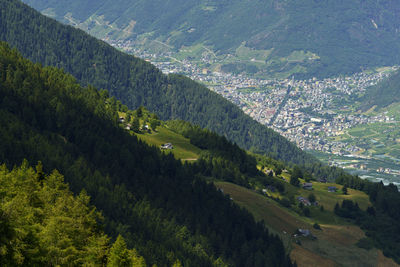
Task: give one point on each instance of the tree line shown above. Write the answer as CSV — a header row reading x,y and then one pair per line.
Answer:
x,y
379,221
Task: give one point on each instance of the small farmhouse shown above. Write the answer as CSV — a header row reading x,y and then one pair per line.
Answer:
x,y
167,146
304,232
332,189
307,186
304,200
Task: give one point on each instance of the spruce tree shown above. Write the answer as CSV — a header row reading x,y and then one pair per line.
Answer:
x,y
135,125
344,189
119,254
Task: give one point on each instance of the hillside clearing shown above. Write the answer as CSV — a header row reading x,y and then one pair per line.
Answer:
x,y
183,149
336,242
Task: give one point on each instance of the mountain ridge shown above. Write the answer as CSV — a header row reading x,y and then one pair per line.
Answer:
x,y
347,36
136,82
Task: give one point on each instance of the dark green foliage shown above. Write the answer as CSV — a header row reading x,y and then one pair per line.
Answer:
x,y
296,174
365,243
316,226
285,202
294,181
139,112
384,93
223,152
128,117
154,123
162,208
306,211
348,209
311,198
270,163
337,208
135,125
278,171
380,221
371,211
344,189
136,82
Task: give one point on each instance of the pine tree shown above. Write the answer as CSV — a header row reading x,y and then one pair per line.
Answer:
x,y
154,123
296,174
294,181
139,112
337,208
119,255
311,198
306,212
177,263
137,260
135,125
344,189
128,117
39,171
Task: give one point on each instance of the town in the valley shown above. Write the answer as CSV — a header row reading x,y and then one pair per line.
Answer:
x,y
309,112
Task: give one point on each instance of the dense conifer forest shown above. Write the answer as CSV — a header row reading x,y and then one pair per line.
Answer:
x,y
135,82
163,208
42,223
169,212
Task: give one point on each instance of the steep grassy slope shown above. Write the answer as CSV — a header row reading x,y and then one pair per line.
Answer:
x,y
182,148
345,35
136,82
336,242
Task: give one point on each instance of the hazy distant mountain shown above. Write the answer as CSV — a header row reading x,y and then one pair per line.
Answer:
x,y
339,36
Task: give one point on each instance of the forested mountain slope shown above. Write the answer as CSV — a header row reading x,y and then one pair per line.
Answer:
x,y
163,208
345,36
136,82
384,93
